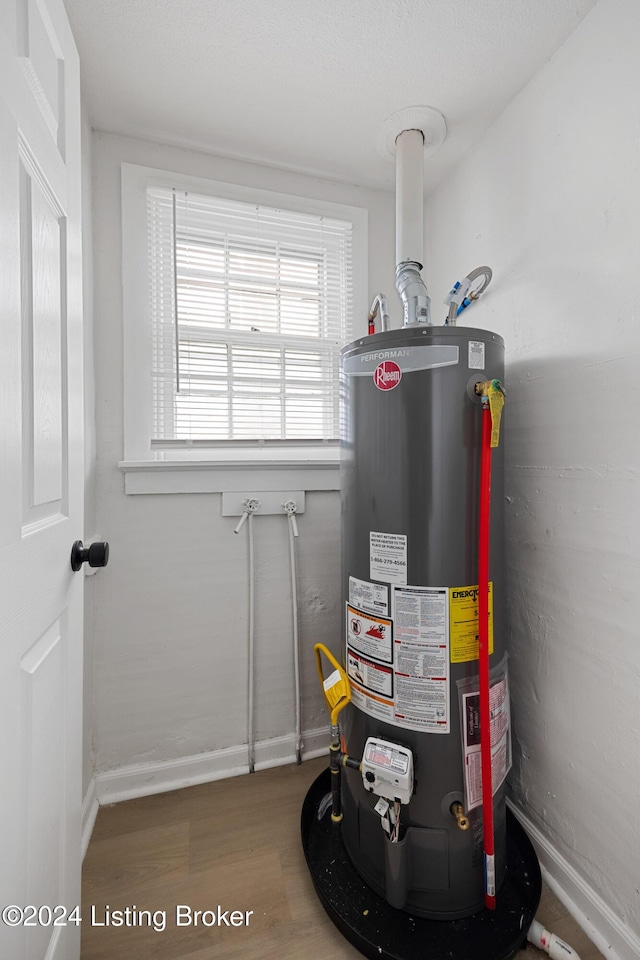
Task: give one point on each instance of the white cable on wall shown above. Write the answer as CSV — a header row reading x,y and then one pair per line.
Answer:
x,y
250,718
290,508
250,507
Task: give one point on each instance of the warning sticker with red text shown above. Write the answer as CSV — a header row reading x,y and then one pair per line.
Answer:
x,y
369,635
399,666
374,676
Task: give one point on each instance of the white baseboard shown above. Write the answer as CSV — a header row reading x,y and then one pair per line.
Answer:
x,y
90,808
605,929
144,779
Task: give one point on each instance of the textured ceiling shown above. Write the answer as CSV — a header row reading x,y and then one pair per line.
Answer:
x,y
306,84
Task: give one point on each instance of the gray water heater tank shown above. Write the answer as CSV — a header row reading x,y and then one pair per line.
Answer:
x,y
410,472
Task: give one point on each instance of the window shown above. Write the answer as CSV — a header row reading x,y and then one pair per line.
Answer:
x,y
250,306
236,306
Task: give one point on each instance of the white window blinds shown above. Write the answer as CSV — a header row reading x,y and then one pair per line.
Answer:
x,y
250,306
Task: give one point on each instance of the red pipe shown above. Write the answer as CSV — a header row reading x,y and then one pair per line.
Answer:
x,y
483,657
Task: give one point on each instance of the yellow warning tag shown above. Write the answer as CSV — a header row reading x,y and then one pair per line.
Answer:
x,y
463,623
336,687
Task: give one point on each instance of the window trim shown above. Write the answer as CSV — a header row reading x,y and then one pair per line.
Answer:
x,y
140,458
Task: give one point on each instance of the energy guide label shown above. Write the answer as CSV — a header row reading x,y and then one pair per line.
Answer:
x,y
463,620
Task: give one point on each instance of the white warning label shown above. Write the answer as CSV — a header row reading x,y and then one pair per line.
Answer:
x,y
374,676
399,667
331,680
388,557
476,355
500,741
371,703
421,658
369,635
371,597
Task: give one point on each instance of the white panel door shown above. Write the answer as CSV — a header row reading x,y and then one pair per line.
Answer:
x,y
41,479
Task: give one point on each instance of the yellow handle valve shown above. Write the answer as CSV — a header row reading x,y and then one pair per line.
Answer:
x,y
336,687
495,393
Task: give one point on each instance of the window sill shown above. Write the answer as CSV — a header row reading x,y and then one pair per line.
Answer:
x,y
221,476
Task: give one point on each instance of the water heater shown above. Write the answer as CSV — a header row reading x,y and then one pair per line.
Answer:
x,y
410,470
395,831
407,835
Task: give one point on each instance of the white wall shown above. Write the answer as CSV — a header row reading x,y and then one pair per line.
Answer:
x,y
550,198
171,608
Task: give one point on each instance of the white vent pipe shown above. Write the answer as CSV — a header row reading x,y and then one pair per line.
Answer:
x,y
410,197
410,227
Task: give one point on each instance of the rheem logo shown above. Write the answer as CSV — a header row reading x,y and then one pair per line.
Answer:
x,y
387,375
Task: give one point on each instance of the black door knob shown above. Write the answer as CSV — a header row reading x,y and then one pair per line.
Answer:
x,y
97,554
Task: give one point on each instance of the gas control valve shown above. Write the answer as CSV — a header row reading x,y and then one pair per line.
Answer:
x,y
387,770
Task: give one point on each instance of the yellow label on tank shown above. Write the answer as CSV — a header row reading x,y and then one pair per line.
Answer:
x,y
463,622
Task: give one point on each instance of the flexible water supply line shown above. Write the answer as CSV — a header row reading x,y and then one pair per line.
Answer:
x,y
379,304
483,657
550,943
459,297
290,508
250,507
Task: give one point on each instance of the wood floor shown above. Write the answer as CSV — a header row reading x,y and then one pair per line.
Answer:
x,y
235,843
